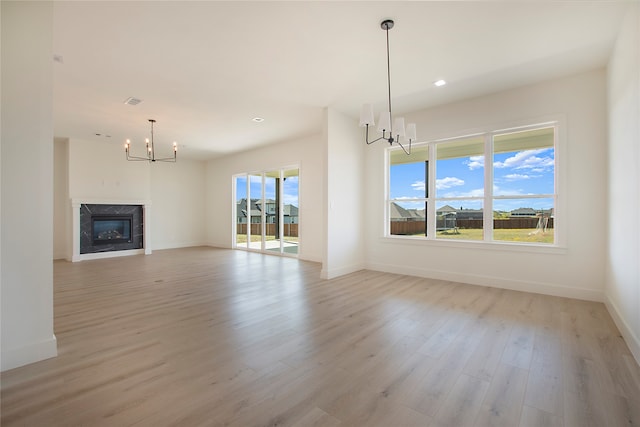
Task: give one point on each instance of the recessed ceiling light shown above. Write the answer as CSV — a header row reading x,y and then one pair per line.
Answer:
x,y
258,119
439,83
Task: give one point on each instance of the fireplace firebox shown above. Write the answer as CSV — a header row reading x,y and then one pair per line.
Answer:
x,y
109,229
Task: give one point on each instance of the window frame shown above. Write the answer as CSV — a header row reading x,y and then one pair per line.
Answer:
x,y
488,133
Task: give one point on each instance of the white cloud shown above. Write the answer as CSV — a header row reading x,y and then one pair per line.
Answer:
x,y
418,185
527,159
290,199
478,192
497,191
402,202
448,182
475,162
518,177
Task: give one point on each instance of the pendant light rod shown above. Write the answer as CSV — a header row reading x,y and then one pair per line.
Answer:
x,y
153,152
386,123
386,25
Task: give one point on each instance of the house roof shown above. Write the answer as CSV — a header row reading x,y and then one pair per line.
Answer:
x,y
417,213
524,211
241,209
398,212
446,209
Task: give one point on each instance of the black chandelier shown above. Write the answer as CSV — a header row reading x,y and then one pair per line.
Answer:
x,y
151,152
396,129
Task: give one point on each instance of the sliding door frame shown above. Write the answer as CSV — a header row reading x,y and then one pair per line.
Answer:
x,y
264,211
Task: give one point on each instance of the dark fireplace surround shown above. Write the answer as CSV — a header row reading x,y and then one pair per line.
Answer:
x,y
107,228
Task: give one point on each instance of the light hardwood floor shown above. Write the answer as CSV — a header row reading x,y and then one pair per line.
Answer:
x,y
210,337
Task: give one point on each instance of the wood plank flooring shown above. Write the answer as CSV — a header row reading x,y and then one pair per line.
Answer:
x,y
211,337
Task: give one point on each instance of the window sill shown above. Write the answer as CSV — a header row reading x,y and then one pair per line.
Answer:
x,y
468,244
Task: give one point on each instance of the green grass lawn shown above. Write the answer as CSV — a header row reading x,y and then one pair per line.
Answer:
x,y
507,235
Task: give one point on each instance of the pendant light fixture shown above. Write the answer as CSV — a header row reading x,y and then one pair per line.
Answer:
x,y
151,152
393,130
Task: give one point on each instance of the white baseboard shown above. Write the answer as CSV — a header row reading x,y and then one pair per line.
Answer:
x,y
627,333
336,272
110,254
31,353
495,282
218,245
178,245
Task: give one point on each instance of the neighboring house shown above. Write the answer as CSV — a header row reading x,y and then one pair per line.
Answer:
x,y
469,214
461,213
524,212
398,213
242,211
446,209
290,212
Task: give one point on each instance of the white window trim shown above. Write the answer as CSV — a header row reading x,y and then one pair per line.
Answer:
x,y
560,238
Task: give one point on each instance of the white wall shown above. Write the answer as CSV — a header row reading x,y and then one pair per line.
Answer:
x,y
27,184
61,207
623,268
344,245
99,170
178,204
308,153
578,270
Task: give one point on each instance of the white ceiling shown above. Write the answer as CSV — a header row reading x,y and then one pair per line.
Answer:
x,y
205,69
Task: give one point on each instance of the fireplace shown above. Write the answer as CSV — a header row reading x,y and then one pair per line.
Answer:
x,y
105,228
108,229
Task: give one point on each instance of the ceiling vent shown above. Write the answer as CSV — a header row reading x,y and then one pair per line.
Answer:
x,y
132,101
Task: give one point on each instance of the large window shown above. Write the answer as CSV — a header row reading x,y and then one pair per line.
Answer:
x,y
445,191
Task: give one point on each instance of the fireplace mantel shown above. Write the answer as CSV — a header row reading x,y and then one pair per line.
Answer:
x,y
75,208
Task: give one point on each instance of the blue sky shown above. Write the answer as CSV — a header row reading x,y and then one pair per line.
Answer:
x,y
516,173
290,189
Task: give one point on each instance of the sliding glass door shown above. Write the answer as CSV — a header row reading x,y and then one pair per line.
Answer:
x,y
290,209
241,215
272,211
266,211
254,233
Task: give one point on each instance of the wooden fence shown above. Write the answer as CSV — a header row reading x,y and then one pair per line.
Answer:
x,y
270,230
418,227
409,227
